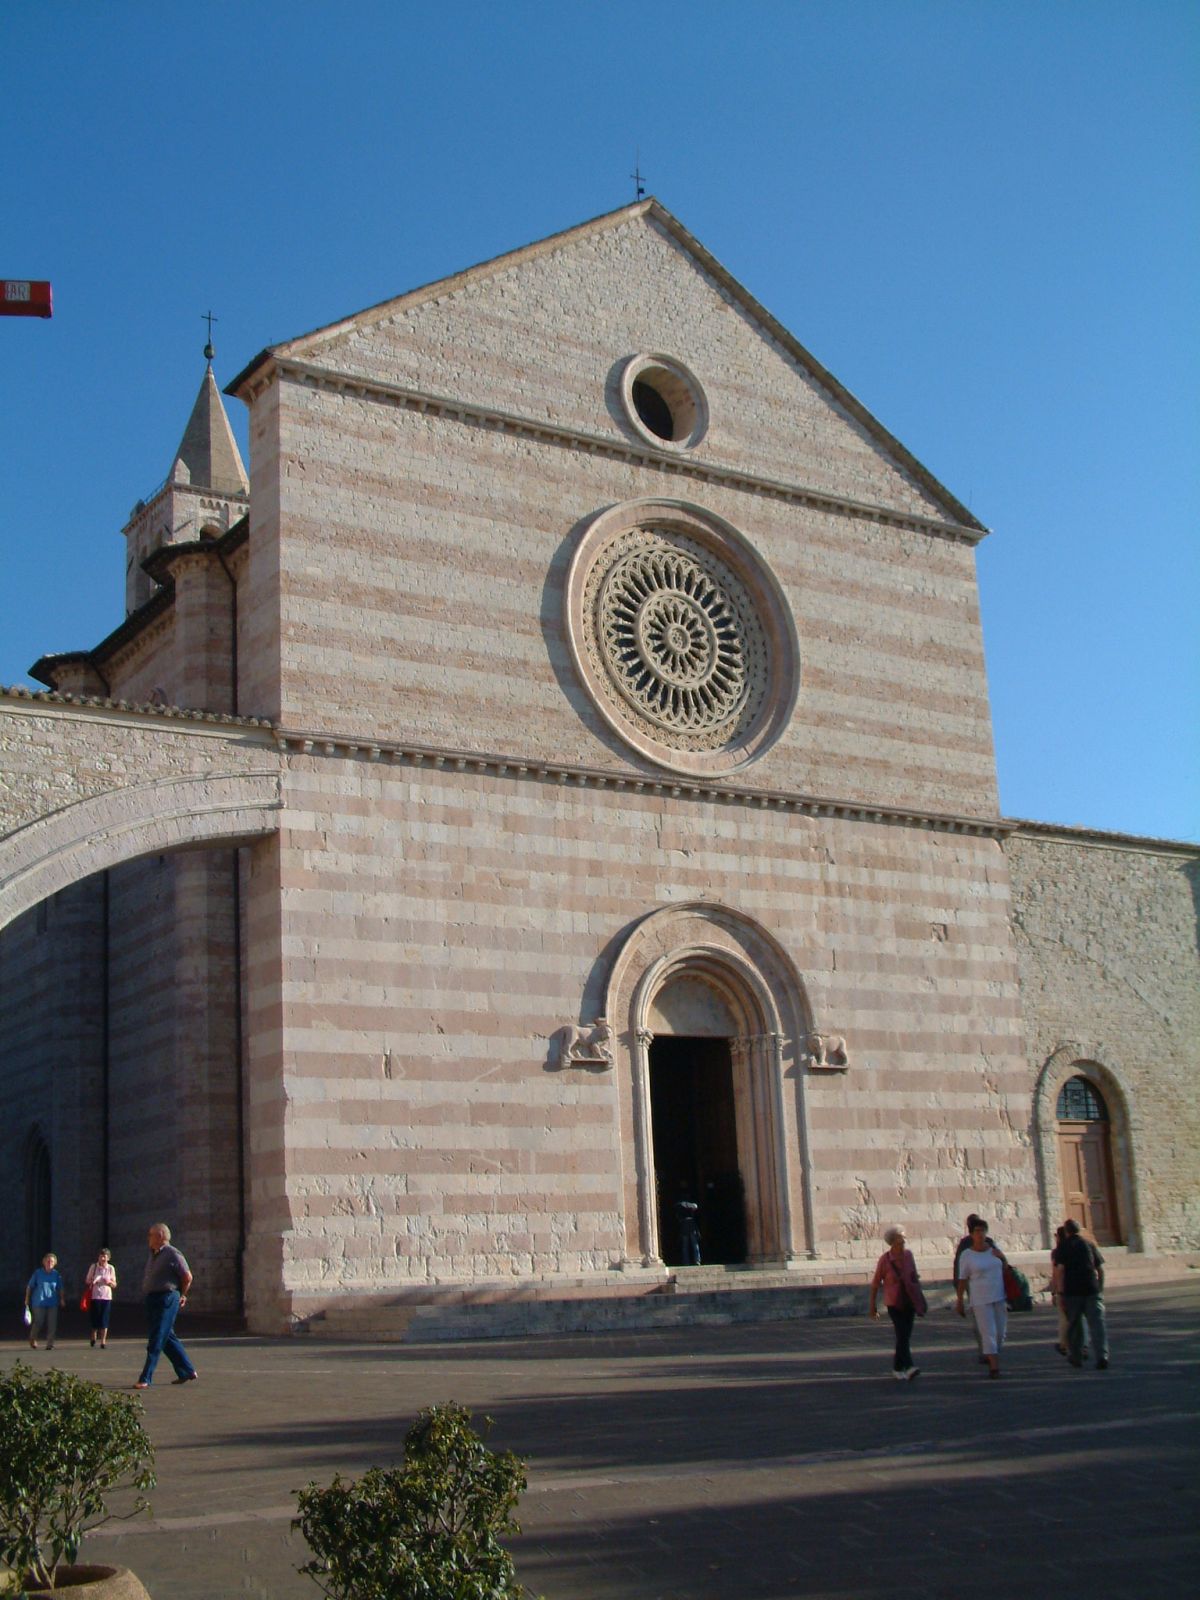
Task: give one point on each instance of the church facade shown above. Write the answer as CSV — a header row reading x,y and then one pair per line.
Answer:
x,y
557,782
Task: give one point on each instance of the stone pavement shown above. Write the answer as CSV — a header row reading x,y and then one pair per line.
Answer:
x,y
762,1462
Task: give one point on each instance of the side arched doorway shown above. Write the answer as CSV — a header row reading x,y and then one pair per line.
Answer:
x,y
706,1010
1085,1159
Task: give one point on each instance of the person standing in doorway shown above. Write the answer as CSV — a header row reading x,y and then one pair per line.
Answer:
x,y
896,1270
165,1284
688,1219
44,1298
101,1281
981,1269
1082,1280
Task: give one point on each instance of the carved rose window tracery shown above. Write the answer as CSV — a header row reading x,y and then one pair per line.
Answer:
x,y
678,638
681,636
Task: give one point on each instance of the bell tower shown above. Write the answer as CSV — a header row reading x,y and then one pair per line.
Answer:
x,y
206,489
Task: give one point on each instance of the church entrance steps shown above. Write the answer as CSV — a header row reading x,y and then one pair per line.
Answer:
x,y
683,1297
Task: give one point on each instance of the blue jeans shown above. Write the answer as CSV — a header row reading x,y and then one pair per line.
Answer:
x,y
161,1311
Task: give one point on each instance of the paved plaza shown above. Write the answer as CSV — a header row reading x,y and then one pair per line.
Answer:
x,y
756,1461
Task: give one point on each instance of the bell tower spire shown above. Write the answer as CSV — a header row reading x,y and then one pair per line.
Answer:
x,y
206,488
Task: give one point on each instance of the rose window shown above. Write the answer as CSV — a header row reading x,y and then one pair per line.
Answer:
x,y
677,638
681,636
674,642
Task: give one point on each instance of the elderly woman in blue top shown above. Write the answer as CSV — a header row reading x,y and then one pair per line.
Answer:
x,y
44,1295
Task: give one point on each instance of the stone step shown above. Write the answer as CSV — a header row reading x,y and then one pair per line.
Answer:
x,y
688,1297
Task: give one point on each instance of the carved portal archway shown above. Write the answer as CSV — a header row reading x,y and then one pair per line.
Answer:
x,y
755,989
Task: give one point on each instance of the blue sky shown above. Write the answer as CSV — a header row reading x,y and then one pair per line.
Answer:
x,y
984,218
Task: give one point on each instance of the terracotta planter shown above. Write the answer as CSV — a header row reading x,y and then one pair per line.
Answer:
x,y
95,1583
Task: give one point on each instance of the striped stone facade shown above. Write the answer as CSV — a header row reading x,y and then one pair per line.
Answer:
x,y
416,1034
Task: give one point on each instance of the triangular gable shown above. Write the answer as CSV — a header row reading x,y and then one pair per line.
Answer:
x,y
326,343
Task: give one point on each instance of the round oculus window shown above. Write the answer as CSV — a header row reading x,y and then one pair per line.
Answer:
x,y
681,636
663,401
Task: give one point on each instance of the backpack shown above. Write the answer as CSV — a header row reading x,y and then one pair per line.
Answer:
x,y
1016,1289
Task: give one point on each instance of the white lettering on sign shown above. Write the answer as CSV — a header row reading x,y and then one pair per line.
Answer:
x,y
14,290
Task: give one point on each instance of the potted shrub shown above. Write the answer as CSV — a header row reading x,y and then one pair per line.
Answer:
x,y
427,1530
65,1445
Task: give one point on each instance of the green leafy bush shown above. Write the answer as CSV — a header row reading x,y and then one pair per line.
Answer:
x,y
428,1530
65,1443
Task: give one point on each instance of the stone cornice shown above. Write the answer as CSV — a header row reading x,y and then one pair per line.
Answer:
x,y
633,452
34,702
297,741
1099,839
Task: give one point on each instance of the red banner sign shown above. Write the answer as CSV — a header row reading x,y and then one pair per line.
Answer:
x,y
21,297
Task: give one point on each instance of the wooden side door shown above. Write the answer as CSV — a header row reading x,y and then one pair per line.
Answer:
x,y
1085,1159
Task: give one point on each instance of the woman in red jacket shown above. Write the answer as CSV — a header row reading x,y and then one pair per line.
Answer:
x,y
897,1272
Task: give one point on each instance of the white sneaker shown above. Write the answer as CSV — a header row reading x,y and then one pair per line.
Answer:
x,y
911,1373
900,1377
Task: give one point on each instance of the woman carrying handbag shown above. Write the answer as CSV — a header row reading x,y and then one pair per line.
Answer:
x,y
896,1270
101,1281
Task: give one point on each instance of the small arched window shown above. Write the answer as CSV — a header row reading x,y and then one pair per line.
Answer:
x,y
1080,1101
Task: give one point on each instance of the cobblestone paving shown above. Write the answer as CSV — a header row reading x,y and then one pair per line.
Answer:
x,y
754,1462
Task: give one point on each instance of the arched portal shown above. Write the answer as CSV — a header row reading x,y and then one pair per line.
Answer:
x,y
1087,1136
707,1011
698,1103
1085,1159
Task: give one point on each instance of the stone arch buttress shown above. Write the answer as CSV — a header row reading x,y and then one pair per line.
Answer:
x,y
166,814
760,990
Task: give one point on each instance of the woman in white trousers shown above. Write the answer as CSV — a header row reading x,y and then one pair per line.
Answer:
x,y
981,1269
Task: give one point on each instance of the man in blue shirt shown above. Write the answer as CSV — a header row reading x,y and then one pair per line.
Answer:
x,y
43,1296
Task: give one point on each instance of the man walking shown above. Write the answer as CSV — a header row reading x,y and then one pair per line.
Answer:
x,y
165,1284
1082,1294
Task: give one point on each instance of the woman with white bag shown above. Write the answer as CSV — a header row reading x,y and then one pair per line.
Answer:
x,y
43,1298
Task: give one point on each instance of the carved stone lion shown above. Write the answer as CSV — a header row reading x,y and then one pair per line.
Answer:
x,y
585,1046
828,1050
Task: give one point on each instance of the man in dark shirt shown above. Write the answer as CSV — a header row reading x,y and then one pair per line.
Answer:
x,y
165,1284
1083,1294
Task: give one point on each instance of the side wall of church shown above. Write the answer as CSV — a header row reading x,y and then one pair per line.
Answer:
x,y
438,927
126,990
51,1020
1106,937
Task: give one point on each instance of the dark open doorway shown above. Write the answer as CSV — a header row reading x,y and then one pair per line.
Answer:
x,y
695,1146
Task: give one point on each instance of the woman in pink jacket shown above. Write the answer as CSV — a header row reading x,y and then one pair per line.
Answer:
x,y
897,1272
